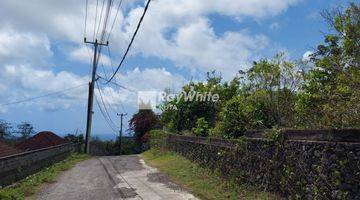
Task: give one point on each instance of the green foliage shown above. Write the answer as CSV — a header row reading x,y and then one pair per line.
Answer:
x,y
75,138
158,139
321,93
25,130
142,122
186,112
331,91
5,129
203,182
201,128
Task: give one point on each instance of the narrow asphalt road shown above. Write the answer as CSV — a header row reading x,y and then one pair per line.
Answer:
x,y
113,177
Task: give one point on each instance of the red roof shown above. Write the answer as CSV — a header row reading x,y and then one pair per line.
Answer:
x,y
6,150
41,140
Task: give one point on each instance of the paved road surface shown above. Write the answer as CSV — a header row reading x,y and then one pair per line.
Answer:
x,y
113,177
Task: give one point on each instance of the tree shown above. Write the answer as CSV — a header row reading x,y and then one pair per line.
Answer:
x,y
331,93
75,138
279,79
5,129
182,114
25,130
142,122
201,128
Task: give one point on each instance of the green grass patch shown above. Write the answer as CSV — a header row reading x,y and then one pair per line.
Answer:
x,y
200,181
30,184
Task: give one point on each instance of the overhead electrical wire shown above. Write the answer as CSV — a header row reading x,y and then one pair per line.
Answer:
x,y
116,14
42,96
131,41
104,116
103,32
101,12
86,11
120,86
103,103
97,3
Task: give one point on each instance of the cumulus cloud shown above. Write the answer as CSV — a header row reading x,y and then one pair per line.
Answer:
x,y
85,54
182,32
23,47
169,28
23,82
133,81
175,30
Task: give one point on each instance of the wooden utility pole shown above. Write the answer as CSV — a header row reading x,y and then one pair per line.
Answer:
x,y
91,93
121,125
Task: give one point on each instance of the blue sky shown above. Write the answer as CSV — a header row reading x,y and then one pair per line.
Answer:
x,y
41,51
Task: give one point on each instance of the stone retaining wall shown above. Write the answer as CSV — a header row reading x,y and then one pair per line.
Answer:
x,y
18,166
294,168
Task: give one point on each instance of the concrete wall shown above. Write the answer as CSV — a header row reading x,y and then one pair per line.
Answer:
x,y
324,168
17,167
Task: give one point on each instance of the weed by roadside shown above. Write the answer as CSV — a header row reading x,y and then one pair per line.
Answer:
x,y
30,184
201,181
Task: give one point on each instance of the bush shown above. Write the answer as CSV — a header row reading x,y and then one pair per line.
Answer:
x,y
157,139
202,128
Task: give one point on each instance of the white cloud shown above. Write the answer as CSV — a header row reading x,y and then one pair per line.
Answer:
x,y
85,55
148,79
181,32
23,47
306,56
176,30
23,82
168,30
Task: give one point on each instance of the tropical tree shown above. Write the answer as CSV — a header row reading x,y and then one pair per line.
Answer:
x,y
25,130
331,93
5,129
142,122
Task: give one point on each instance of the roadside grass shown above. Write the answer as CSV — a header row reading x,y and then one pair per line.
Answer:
x,y
200,181
30,184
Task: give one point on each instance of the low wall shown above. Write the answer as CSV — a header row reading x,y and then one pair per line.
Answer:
x,y
295,168
18,166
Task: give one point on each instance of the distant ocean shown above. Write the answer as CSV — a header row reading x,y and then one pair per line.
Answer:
x,y
112,136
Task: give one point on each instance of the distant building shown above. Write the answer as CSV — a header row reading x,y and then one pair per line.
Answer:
x,y
41,140
7,150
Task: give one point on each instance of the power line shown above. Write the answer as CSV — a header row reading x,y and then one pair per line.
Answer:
x,y
121,86
103,32
132,40
112,26
102,8
114,80
97,3
109,54
103,103
116,105
86,11
42,96
104,116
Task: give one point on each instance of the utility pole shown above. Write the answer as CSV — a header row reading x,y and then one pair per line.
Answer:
x,y
121,124
91,93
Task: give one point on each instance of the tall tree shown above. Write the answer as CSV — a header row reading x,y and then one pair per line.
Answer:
x,y
5,129
331,92
25,130
142,122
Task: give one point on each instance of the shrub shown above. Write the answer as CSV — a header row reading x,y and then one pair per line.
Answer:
x,y
157,139
201,128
